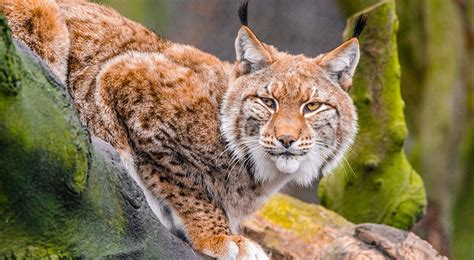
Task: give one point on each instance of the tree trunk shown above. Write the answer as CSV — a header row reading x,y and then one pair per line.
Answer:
x,y
438,136
463,220
378,185
435,90
433,87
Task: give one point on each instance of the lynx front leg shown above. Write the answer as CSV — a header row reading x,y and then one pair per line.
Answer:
x,y
196,218
207,230
230,247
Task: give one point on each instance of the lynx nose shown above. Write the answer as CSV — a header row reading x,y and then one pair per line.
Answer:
x,y
286,140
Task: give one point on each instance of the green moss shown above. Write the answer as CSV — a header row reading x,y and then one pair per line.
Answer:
x,y
384,188
298,217
43,157
29,116
10,68
44,160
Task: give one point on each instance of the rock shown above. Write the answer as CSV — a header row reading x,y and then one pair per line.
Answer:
x,y
291,229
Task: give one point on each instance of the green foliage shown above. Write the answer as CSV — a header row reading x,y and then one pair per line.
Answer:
x,y
349,7
383,187
152,13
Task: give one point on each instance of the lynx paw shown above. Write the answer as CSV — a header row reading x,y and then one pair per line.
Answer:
x,y
232,247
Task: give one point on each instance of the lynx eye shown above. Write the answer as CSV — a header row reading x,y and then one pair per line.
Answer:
x,y
270,103
311,107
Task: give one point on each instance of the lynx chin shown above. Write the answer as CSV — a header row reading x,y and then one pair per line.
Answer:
x,y
208,141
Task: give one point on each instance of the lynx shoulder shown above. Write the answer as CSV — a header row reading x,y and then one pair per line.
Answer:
x,y
208,141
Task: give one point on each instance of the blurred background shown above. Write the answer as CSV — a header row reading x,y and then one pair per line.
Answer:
x,y
436,40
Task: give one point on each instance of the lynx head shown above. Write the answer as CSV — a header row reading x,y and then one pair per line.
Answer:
x,y
289,115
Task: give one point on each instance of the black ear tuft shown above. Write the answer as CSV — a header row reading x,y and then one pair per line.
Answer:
x,y
359,27
243,12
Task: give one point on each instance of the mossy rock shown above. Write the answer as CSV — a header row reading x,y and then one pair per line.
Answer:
x,y
291,229
63,195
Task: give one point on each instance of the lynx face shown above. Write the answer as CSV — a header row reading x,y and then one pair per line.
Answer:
x,y
290,115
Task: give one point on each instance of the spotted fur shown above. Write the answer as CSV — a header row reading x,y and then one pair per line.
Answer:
x,y
208,141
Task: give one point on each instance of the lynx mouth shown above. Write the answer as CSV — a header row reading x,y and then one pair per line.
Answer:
x,y
287,154
287,164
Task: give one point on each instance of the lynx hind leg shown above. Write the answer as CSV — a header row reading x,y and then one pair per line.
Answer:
x,y
38,24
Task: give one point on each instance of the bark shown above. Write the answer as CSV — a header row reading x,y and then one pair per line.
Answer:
x,y
378,184
64,194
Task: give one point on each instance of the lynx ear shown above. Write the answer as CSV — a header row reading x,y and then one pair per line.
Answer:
x,y
341,63
251,53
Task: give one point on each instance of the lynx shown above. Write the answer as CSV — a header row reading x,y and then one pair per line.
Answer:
x,y
208,141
